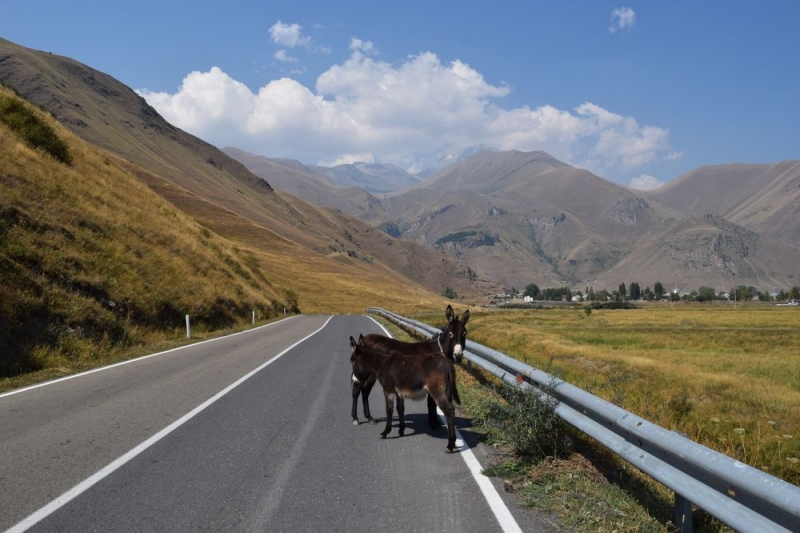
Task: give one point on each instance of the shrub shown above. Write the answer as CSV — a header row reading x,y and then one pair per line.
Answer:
x,y
528,424
33,130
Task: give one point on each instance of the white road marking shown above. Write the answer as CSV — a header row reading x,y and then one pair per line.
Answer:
x,y
80,488
129,361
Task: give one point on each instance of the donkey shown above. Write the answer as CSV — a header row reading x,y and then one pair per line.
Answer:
x,y
451,343
409,376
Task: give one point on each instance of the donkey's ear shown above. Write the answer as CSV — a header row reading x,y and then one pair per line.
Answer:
x,y
361,340
352,342
448,313
465,317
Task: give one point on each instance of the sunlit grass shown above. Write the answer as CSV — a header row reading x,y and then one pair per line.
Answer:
x,y
98,266
726,377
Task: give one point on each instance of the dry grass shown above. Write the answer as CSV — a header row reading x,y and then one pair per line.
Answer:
x,y
726,377
97,264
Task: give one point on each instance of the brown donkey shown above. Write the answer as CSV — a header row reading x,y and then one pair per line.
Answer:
x,y
409,376
450,343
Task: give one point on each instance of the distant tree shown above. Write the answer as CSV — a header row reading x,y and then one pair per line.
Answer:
x,y
590,294
794,292
782,296
602,296
533,291
742,293
450,293
658,290
635,291
648,294
623,294
706,294
556,294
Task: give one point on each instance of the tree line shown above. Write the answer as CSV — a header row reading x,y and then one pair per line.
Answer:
x,y
634,292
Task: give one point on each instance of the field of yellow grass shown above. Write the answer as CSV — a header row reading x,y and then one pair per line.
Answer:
x,y
726,377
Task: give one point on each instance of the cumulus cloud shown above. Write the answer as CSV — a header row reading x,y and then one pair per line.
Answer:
x,y
403,113
288,35
645,182
291,36
622,19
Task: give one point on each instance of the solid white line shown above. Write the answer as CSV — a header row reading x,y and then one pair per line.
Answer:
x,y
142,358
80,488
504,517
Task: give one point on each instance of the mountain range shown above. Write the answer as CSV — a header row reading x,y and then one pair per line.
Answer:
x,y
521,218
486,221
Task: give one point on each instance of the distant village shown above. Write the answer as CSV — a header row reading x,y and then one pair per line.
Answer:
x,y
532,295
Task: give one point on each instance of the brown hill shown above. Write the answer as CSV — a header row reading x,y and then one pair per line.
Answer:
x,y
337,250
763,198
527,217
519,218
305,182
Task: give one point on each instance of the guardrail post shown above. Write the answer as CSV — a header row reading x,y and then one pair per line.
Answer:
x,y
188,329
683,514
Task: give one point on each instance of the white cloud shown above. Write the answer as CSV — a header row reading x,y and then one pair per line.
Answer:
x,y
288,35
363,46
622,18
645,182
404,113
282,55
291,36
347,159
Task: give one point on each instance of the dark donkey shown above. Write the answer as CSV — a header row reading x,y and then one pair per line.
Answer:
x,y
409,376
450,343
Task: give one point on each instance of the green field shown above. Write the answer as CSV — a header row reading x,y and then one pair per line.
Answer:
x,y
727,377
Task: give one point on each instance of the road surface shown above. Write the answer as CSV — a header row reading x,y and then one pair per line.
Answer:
x,y
249,432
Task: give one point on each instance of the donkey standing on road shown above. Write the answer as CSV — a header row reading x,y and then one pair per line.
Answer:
x,y
450,343
409,376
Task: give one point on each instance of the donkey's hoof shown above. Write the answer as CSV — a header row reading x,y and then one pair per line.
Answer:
x,y
371,420
383,435
355,421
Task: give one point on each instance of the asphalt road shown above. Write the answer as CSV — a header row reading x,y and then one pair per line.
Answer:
x,y
250,432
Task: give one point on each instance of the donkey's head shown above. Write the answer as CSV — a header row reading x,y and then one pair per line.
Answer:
x,y
363,362
455,334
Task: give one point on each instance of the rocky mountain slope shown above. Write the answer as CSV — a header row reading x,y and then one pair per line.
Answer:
x,y
217,191
522,218
762,198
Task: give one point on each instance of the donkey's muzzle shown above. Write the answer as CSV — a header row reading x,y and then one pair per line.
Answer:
x,y
458,353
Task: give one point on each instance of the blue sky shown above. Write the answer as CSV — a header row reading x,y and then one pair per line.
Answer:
x,y
638,92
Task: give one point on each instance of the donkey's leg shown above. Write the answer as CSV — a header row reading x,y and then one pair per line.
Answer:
x,y
439,390
433,417
365,390
450,414
389,397
357,386
401,410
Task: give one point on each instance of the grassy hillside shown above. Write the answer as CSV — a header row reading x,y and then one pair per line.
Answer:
x,y
96,263
93,260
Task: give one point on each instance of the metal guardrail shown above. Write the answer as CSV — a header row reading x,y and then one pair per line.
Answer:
x,y
743,497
